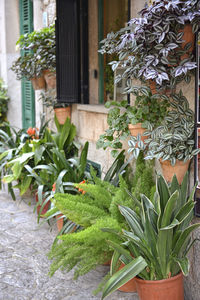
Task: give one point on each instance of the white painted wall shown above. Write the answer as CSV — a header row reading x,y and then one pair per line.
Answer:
x,y
9,24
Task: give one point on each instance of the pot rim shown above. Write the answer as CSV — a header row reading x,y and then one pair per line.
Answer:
x,y
167,162
143,281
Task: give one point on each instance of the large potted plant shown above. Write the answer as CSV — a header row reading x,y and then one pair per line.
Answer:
x,y
37,57
155,47
93,209
172,143
159,239
125,119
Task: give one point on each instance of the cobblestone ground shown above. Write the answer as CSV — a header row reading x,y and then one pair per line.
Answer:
x,y
24,265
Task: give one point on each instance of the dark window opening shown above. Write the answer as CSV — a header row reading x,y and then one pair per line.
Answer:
x,y
72,51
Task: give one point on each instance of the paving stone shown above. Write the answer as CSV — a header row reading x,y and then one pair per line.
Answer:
x,y
24,265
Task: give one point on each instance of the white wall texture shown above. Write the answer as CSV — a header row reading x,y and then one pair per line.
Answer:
x,y
9,24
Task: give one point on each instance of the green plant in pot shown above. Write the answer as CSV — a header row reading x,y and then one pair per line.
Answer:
x,y
159,240
11,141
98,205
37,54
154,47
123,118
172,143
61,110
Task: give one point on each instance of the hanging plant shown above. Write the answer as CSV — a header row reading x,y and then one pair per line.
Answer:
x,y
39,53
154,46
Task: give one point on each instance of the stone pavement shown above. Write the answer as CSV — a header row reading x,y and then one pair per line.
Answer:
x,y
23,263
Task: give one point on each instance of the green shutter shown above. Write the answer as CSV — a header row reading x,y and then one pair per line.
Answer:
x,y
28,96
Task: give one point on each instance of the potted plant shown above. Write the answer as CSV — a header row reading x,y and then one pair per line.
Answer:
x,y
38,55
172,143
62,110
124,118
154,47
10,141
159,239
56,168
93,209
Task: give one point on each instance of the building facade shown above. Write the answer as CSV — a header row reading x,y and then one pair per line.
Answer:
x,y
88,73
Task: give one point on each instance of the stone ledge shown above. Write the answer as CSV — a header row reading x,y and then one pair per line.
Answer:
x,y
98,108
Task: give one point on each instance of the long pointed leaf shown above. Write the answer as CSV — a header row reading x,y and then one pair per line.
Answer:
x,y
133,220
168,210
183,237
124,275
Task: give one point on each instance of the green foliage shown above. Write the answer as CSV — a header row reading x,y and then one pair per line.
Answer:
x,y
3,102
83,212
11,142
84,249
159,236
39,53
151,47
120,198
143,177
41,161
147,109
174,138
97,204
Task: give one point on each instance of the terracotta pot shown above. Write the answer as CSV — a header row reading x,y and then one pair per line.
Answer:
x,y
130,286
152,85
45,208
137,128
50,78
38,83
188,37
107,263
59,222
166,289
62,114
180,168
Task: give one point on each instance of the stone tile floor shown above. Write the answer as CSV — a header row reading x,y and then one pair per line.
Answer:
x,y
24,265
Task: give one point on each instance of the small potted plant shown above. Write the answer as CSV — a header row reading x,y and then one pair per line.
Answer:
x,y
124,119
172,143
61,110
38,57
159,239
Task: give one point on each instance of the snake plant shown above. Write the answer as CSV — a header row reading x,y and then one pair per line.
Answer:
x,y
159,236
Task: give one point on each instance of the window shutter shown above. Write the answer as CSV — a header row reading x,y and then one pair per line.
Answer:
x,y
67,51
28,96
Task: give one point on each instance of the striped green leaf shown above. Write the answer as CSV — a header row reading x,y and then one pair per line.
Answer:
x,y
124,275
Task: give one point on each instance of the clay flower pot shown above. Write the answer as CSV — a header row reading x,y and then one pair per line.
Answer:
x,y
166,289
188,37
137,128
45,208
62,114
152,85
179,169
50,78
130,286
59,222
38,83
